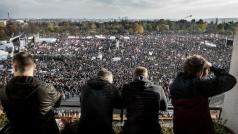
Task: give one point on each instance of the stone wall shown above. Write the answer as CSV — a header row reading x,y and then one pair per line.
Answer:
x,y
230,107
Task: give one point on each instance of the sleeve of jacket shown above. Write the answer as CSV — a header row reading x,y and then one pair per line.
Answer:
x,y
222,82
82,94
49,97
117,98
163,100
124,94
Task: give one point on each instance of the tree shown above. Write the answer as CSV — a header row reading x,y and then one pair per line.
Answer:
x,y
3,34
11,28
202,27
212,28
93,27
148,27
163,28
200,21
139,28
52,27
220,28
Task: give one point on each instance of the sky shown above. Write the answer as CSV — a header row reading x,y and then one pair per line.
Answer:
x,y
133,9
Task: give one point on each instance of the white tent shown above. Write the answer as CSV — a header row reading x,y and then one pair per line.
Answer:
x,y
209,44
112,37
3,55
116,59
93,58
73,37
89,37
1,67
3,42
100,56
6,46
126,38
100,36
47,40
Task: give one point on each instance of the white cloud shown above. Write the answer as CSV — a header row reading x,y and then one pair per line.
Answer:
x,y
116,8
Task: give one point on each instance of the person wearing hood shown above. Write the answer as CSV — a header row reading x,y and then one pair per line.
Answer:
x,y
190,92
27,101
98,99
143,100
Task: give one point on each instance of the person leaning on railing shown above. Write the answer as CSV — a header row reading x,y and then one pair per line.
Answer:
x,y
190,91
27,101
98,99
143,100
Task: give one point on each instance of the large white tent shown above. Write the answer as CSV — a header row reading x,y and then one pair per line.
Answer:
x,y
112,37
3,55
209,44
6,46
126,38
100,37
47,40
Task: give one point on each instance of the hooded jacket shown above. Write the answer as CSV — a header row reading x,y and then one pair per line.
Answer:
x,y
190,100
143,100
28,103
98,99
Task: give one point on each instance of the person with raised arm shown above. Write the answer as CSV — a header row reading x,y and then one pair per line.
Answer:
x,y
190,92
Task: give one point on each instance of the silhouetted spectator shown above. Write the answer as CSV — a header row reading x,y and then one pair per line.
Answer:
x,y
98,99
143,100
27,101
190,91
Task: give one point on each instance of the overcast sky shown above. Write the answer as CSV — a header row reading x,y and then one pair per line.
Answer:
x,y
141,9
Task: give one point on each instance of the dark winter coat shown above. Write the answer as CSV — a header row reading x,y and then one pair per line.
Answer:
x,y
29,103
143,100
98,99
190,101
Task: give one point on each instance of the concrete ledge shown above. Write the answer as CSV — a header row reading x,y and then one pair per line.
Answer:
x,y
230,106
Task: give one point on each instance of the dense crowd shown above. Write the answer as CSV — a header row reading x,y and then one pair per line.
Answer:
x,y
70,62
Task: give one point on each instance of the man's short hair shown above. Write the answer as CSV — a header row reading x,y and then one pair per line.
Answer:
x,y
141,71
23,60
104,73
194,64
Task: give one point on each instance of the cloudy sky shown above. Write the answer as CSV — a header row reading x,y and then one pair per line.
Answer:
x,y
142,9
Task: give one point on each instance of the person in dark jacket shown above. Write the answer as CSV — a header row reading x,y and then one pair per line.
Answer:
x,y
27,101
190,92
143,100
98,99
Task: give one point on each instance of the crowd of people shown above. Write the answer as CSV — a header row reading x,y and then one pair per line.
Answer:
x,y
70,62
73,67
29,103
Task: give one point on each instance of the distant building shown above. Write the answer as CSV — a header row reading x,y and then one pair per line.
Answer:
x,y
20,21
4,22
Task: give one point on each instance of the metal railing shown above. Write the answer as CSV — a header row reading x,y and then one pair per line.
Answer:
x,y
215,110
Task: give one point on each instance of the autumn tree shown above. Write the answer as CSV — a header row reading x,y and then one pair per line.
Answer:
x,y
12,28
139,28
3,34
163,28
202,26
